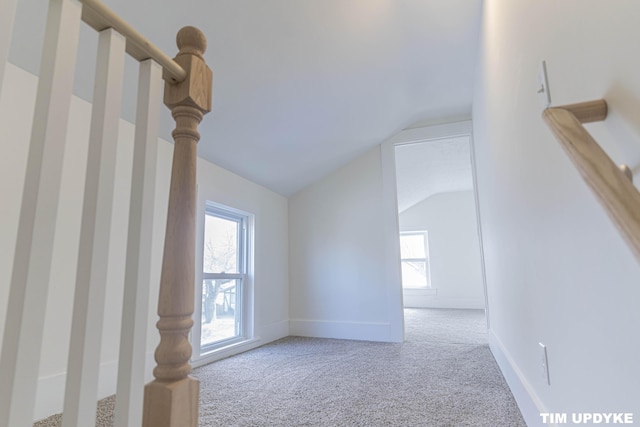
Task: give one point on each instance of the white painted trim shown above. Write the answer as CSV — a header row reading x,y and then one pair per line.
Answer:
x,y
426,301
528,401
391,230
50,395
95,233
423,292
274,331
362,331
138,267
476,197
390,195
22,339
230,350
267,334
205,206
447,130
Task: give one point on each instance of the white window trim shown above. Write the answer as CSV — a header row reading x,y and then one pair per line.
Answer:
x,y
222,348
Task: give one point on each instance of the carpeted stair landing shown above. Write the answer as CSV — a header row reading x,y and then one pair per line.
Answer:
x,y
442,375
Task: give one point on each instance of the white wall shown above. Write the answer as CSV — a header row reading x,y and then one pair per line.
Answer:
x,y
557,270
270,210
270,281
338,264
454,251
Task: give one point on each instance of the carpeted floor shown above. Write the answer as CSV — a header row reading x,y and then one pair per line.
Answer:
x,y
442,375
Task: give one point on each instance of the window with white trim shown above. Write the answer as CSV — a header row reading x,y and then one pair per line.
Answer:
x,y
224,309
414,257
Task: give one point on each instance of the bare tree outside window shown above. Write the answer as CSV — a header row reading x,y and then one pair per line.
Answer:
x,y
220,256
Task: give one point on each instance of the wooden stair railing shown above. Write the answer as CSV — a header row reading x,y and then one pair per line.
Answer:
x,y
611,184
172,399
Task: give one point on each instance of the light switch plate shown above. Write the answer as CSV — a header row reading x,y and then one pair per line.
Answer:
x,y
543,86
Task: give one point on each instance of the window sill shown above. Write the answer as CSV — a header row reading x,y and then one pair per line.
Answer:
x,y
226,351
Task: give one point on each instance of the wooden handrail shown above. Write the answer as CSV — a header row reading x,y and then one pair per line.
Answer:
x,y
100,17
610,183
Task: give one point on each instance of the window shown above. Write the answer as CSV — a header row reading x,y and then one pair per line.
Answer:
x,y
224,307
414,254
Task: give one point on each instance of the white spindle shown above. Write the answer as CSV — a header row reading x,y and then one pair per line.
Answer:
x,y
24,326
7,15
93,256
133,337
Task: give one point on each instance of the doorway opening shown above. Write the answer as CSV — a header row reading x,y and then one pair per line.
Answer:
x,y
440,244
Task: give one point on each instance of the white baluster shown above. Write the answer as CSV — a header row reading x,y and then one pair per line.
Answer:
x,y
22,341
93,256
133,336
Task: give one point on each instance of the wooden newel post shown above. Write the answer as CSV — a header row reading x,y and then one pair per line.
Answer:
x,y
172,399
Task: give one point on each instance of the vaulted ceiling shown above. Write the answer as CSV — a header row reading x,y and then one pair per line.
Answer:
x,y
431,167
301,87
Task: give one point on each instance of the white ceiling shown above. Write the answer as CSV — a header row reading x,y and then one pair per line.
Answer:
x,y
424,169
301,87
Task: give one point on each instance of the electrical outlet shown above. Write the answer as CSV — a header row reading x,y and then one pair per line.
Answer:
x,y
544,363
543,86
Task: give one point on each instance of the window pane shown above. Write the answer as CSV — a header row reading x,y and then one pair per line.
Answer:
x,y
221,252
221,310
414,274
412,246
224,281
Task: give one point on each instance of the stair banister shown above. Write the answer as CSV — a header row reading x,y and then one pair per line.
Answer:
x,y
171,400
99,17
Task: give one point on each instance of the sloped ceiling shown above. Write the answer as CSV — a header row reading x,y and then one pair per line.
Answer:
x,y
427,168
301,87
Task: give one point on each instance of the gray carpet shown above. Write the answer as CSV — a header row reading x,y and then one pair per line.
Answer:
x,y
442,375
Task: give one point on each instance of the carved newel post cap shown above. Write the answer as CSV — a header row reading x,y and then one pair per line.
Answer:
x,y
191,40
195,90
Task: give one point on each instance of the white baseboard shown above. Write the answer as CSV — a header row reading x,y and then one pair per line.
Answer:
x,y
362,331
273,331
50,396
51,389
426,301
530,405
